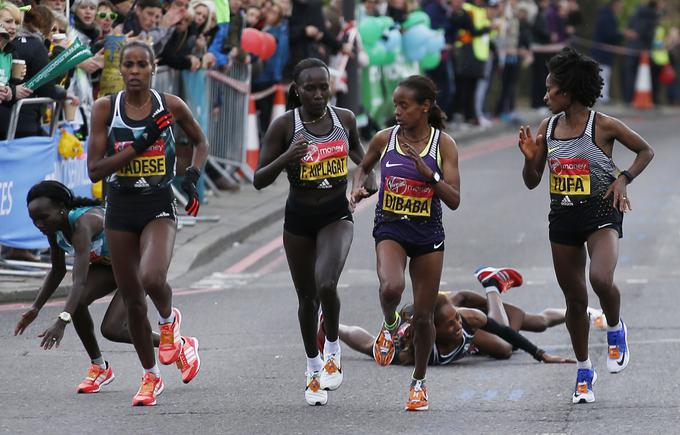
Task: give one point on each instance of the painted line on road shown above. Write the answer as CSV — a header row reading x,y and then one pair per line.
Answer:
x,y
480,149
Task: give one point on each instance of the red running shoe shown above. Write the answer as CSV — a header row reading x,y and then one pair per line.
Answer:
x,y
171,340
503,279
96,378
151,387
189,362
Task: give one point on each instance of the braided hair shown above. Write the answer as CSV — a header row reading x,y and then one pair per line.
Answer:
x,y
425,89
293,97
59,194
576,74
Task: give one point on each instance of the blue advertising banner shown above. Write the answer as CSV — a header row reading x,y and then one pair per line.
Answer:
x,y
23,162
193,84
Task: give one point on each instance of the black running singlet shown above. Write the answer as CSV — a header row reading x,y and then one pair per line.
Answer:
x,y
155,168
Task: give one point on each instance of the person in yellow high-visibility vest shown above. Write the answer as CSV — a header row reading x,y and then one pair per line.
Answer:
x,y
471,56
659,57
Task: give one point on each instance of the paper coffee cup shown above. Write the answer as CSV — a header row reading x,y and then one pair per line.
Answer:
x,y
18,69
69,111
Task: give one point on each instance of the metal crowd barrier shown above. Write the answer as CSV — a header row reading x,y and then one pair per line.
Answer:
x,y
227,96
16,109
167,80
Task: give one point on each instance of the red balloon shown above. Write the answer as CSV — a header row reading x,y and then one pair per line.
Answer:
x,y
252,41
269,46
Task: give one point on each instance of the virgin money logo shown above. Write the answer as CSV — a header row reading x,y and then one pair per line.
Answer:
x,y
397,185
312,154
555,166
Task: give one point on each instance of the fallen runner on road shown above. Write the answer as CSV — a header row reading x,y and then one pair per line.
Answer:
x,y
467,323
75,225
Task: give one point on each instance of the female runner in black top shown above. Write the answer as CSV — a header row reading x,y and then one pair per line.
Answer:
x,y
133,147
312,143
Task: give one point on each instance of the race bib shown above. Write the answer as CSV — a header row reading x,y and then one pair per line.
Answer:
x,y
150,163
407,197
569,176
324,160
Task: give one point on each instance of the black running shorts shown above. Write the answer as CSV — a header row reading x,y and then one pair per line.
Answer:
x,y
133,212
302,220
572,225
413,250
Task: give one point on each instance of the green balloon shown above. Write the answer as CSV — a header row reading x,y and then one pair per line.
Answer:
x,y
370,30
430,61
385,22
390,58
415,18
377,55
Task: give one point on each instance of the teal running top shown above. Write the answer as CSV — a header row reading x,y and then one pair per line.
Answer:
x,y
99,247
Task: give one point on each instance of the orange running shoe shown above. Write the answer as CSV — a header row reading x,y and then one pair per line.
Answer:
x,y
151,387
417,397
383,347
189,362
171,340
96,378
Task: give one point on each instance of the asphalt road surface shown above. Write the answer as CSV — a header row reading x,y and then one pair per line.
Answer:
x,y
243,310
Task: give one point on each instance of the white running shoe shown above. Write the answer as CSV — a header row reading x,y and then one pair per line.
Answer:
x,y
618,354
331,373
583,391
314,395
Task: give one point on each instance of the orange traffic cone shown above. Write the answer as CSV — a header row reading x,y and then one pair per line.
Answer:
x,y
252,136
279,107
642,99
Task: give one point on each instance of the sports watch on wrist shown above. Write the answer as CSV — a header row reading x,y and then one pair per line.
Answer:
x,y
65,317
436,178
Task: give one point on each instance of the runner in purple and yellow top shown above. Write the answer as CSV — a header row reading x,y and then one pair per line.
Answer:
x,y
419,170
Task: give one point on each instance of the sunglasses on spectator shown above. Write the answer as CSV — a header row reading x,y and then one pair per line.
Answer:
x,y
111,15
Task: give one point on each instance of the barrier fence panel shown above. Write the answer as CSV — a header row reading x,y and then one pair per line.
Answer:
x,y
228,100
166,80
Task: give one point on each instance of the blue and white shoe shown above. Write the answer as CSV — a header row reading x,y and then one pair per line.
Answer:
x,y
618,354
583,391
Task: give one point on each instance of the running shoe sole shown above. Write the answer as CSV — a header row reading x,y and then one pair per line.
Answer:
x,y
106,382
389,356
198,361
420,408
158,393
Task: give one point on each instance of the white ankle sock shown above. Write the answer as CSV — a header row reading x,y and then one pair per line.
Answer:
x,y
155,370
100,362
163,320
331,347
491,289
314,364
618,327
584,364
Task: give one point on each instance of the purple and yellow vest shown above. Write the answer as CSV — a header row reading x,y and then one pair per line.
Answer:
x,y
408,208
